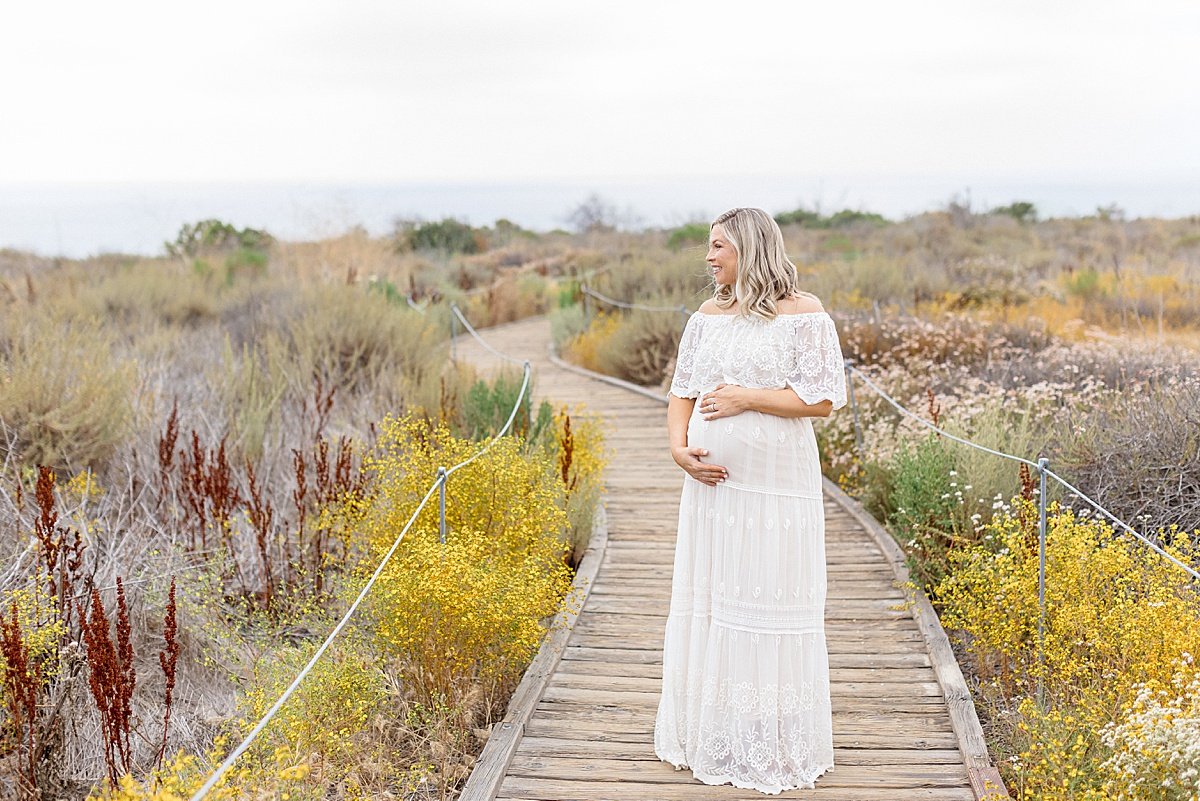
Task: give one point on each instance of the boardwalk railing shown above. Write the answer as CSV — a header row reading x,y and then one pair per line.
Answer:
x,y
1041,466
439,485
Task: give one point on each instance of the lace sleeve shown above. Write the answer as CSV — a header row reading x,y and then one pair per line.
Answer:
x,y
819,373
685,360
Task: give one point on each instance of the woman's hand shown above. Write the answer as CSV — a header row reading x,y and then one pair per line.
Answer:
x,y
689,460
724,401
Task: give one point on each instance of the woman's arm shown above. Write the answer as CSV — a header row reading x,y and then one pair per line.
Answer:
x,y
730,399
679,411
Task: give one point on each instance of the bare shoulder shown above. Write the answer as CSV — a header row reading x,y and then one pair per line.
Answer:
x,y
710,307
802,303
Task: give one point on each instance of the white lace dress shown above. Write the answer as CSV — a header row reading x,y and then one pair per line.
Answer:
x,y
745,691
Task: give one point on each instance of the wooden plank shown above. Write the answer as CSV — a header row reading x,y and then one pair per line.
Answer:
x,y
525,787
563,747
851,717
596,688
985,778
891,674
868,735
617,770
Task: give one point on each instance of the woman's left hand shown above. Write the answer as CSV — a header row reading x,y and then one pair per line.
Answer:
x,y
724,401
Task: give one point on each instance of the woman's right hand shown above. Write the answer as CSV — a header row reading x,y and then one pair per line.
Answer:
x,y
689,460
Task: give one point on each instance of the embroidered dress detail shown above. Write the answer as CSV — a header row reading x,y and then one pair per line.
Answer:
x,y
745,694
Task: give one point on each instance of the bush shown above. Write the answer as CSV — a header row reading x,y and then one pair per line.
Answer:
x,y
566,323
468,611
925,512
322,722
1117,616
487,408
689,235
588,347
65,397
214,235
448,235
1140,452
1020,210
642,347
358,341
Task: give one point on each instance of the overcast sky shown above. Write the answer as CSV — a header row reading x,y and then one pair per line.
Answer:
x,y
503,91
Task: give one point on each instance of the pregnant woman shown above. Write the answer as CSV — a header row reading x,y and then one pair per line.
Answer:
x,y
745,690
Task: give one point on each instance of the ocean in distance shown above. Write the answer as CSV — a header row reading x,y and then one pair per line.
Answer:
x,y
80,220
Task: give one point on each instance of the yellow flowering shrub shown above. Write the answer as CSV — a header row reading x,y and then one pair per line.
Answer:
x,y
1118,616
322,719
181,776
588,348
468,610
82,487
40,627
1116,613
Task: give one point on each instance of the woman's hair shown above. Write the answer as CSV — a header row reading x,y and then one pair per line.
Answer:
x,y
764,272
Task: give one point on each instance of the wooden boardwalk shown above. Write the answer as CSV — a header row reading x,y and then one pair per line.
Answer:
x,y
584,729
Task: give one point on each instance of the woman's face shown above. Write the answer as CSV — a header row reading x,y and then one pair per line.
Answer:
x,y
721,258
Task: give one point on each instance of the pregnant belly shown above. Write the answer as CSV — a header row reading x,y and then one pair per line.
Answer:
x,y
762,452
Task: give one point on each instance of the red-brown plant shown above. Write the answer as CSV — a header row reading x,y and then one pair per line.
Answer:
x,y
934,409
111,678
262,517
60,549
209,489
166,448
299,499
322,404
566,453
168,659
22,683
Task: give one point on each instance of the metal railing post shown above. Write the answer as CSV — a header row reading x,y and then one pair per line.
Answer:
x,y
441,477
1043,463
453,335
853,405
529,400
587,306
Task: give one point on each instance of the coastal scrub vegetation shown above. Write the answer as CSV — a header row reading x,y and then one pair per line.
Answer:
x,y
202,459
1072,339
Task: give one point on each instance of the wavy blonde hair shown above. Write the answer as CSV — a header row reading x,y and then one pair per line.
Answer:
x,y
765,274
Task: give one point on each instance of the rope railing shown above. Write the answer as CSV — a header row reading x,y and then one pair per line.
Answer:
x,y
587,292
439,484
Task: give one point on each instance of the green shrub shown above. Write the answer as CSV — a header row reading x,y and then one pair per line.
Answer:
x,y
1020,210
215,235
566,323
487,407
686,235
245,262
1085,284
448,235
923,511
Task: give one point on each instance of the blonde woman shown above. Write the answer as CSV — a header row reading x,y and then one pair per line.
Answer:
x,y
745,693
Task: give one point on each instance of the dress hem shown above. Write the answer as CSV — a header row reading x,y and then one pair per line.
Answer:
x,y
724,778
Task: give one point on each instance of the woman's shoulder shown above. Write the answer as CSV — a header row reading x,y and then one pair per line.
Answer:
x,y
801,303
710,307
